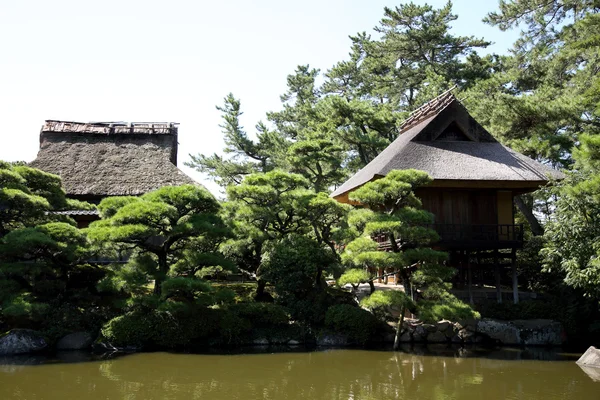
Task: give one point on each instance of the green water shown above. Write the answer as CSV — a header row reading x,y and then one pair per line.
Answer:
x,y
333,374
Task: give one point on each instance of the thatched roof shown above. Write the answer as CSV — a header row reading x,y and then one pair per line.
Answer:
x,y
110,159
442,139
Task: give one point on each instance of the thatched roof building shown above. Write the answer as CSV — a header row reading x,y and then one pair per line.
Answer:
x,y
442,139
102,159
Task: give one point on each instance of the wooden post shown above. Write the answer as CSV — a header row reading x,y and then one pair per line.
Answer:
x,y
515,280
497,272
470,277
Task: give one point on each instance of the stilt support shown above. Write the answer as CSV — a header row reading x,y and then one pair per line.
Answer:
x,y
515,280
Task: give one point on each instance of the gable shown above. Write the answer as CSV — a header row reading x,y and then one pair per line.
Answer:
x,y
456,116
453,133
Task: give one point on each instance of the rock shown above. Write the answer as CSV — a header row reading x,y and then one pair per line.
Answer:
x,y
421,331
537,332
22,341
279,340
443,325
103,347
405,337
450,332
540,332
456,339
332,340
429,327
75,341
592,372
503,331
260,342
466,335
293,342
590,358
469,324
437,337
389,337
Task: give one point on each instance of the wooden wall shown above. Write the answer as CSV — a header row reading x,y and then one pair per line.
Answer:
x,y
455,206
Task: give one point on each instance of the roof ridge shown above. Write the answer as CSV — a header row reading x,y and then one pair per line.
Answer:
x,y
433,106
110,127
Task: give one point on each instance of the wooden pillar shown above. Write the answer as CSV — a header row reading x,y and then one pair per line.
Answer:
x,y
470,278
497,273
515,280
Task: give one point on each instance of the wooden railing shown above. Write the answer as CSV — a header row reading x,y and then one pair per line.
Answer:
x,y
491,236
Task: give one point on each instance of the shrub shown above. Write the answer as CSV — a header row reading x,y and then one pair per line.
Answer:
x,y
261,314
358,324
354,277
160,328
432,311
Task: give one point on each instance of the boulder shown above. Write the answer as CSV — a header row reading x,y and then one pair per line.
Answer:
x,y
260,342
405,337
75,341
466,335
443,325
437,337
536,332
22,341
502,331
330,339
591,358
293,342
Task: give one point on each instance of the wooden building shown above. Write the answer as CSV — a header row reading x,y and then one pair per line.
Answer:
x,y
101,159
475,179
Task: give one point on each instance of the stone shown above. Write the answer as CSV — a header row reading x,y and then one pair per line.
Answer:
x,y
22,341
437,337
469,324
293,342
332,340
456,339
450,332
443,325
104,347
260,342
502,331
429,327
421,331
537,332
590,358
540,332
405,337
75,341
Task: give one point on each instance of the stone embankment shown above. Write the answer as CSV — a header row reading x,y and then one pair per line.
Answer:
x,y
519,332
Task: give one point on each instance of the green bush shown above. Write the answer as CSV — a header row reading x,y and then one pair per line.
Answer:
x,y
156,328
243,321
358,324
432,311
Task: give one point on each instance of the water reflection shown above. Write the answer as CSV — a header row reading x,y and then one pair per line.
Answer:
x,y
424,373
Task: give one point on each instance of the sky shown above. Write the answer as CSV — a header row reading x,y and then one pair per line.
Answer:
x,y
173,61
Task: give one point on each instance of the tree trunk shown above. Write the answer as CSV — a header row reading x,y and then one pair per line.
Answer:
x,y
536,228
163,269
399,329
261,295
372,286
406,283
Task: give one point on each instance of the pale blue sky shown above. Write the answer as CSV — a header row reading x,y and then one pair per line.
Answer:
x,y
131,60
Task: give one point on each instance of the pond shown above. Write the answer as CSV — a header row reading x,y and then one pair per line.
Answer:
x,y
442,373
